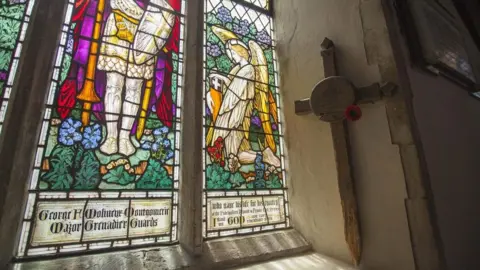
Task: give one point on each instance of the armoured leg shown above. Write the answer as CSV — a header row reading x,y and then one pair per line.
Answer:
x,y
113,101
130,109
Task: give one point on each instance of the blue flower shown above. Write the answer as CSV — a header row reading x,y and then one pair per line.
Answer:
x,y
69,44
160,131
223,14
155,146
69,134
168,155
92,135
166,143
259,165
264,37
146,145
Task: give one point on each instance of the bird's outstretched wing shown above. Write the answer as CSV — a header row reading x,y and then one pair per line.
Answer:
x,y
152,33
264,101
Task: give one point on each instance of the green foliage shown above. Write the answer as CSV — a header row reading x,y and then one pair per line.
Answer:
x,y
72,167
211,37
224,64
59,177
15,11
175,66
119,176
67,61
274,181
212,19
237,180
271,79
253,30
5,57
87,177
268,55
217,177
174,87
210,62
155,177
8,33
152,122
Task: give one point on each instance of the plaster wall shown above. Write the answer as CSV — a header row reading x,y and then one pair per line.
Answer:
x,y
315,203
447,120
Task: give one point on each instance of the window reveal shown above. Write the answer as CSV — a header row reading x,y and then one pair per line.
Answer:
x,y
14,20
244,175
107,163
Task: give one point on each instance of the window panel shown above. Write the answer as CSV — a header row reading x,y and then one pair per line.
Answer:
x,y
14,21
244,175
265,4
107,164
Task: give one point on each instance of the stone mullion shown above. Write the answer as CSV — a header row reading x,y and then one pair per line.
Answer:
x,y
191,184
19,138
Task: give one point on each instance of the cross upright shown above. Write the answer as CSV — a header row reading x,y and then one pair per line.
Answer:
x,y
329,99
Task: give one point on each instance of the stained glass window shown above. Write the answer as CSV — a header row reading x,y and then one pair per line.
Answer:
x,y
14,20
244,173
265,4
106,169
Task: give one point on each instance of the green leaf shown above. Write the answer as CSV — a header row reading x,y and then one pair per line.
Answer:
x,y
119,176
224,64
9,29
252,29
212,19
5,57
210,62
237,180
155,177
274,181
67,61
12,11
59,176
153,122
217,177
87,176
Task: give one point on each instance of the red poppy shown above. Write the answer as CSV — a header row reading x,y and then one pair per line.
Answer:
x,y
353,113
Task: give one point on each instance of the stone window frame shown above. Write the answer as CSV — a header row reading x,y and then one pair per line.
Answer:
x,y
18,145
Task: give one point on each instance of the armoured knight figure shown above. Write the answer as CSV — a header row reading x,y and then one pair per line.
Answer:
x,y
132,38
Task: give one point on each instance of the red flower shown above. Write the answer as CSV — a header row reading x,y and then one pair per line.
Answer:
x,y
353,113
216,151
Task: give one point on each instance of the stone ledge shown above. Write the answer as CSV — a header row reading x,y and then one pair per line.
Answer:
x,y
240,250
221,253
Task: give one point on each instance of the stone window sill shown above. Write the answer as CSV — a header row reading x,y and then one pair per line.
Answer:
x,y
220,253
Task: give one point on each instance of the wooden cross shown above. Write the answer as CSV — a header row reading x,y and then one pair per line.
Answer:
x,y
329,99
